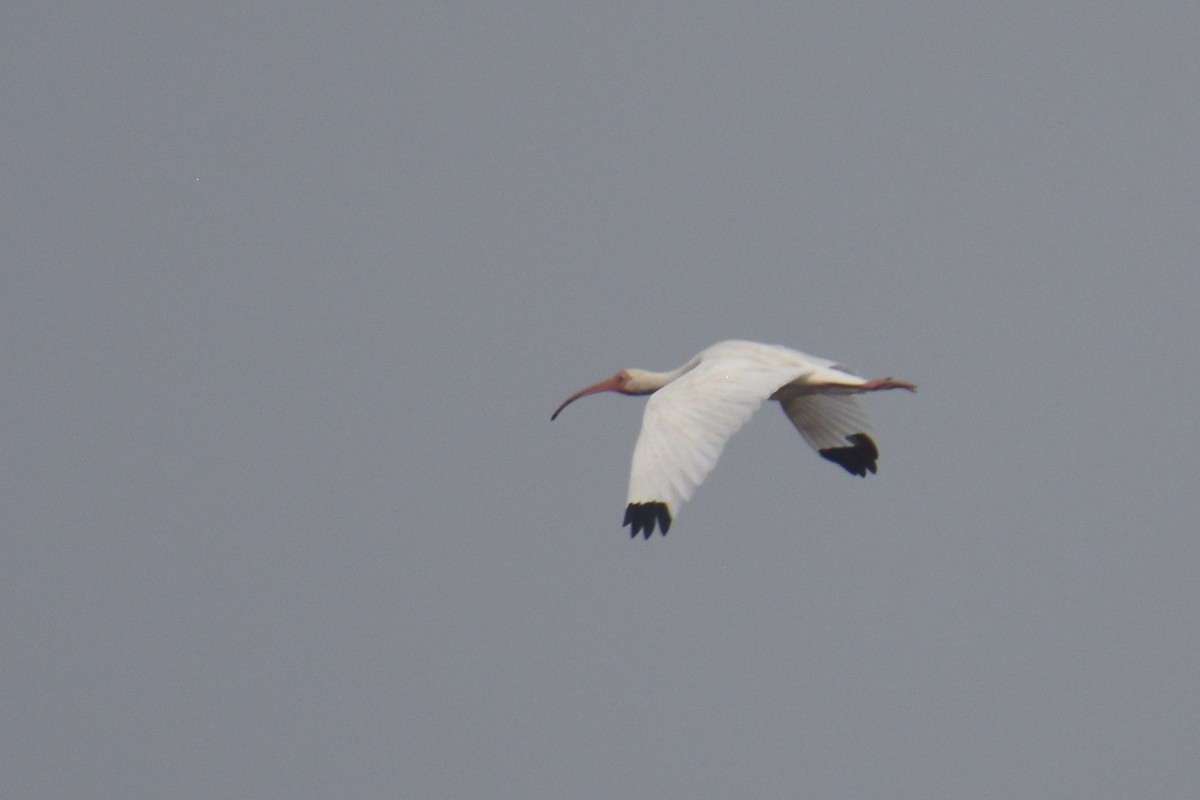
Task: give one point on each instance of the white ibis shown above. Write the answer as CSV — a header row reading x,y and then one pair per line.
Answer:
x,y
696,408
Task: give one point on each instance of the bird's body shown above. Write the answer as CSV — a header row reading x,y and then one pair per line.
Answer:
x,y
694,410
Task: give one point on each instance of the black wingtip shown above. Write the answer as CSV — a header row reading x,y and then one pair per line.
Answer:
x,y
857,459
642,516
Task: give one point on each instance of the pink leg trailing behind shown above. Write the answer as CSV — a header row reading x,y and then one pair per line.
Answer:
x,y
879,384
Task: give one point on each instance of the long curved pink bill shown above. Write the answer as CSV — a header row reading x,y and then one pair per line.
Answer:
x,y
606,385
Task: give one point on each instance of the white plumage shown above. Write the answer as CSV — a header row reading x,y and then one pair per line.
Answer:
x,y
695,409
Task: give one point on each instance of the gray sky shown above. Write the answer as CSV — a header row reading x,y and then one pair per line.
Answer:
x,y
290,291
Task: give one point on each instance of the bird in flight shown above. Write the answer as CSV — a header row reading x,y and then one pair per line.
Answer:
x,y
694,410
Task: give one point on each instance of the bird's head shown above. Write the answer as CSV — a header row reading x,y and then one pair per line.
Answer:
x,y
627,381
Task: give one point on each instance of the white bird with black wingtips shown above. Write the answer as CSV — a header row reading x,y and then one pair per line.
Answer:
x,y
696,408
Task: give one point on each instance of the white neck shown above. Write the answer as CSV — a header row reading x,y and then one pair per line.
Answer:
x,y
643,381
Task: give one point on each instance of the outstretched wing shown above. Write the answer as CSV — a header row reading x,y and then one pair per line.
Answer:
x,y
836,426
686,425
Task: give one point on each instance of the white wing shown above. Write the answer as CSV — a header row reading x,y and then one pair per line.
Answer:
x,y
836,426
687,423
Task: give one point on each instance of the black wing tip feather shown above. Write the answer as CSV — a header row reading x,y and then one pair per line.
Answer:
x,y
857,459
642,516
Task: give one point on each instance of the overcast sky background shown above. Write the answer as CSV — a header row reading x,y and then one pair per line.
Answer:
x,y
290,291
